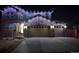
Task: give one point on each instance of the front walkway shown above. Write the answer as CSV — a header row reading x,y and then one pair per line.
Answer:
x,y
53,44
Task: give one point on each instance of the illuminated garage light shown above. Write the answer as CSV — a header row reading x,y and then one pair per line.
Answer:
x,y
25,27
51,27
65,26
22,27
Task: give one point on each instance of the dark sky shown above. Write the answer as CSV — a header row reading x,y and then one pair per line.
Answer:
x,y
61,12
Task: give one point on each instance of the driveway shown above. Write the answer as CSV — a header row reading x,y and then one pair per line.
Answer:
x,y
48,45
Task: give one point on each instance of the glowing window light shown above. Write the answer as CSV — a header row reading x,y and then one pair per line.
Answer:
x,y
52,27
22,27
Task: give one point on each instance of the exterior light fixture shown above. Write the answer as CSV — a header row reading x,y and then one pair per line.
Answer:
x,y
52,27
25,27
65,26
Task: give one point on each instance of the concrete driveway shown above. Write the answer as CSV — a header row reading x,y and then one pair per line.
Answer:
x,y
48,45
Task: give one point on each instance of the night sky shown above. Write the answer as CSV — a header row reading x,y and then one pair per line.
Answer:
x,y
68,13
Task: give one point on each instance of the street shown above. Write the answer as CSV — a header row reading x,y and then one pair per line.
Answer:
x,y
48,45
